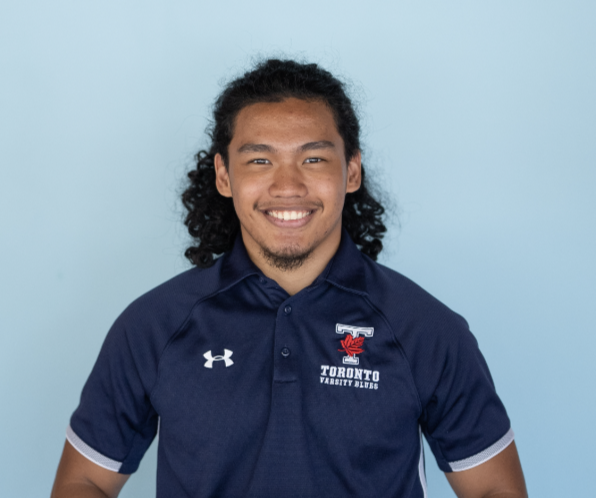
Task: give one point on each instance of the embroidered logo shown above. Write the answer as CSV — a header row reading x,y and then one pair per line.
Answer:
x,y
352,344
222,357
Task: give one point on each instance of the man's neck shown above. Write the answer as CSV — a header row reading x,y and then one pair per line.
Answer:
x,y
294,280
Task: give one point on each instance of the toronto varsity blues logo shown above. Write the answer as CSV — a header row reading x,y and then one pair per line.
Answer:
x,y
352,345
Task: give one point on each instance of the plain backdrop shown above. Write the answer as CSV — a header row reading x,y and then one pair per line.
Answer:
x,y
479,124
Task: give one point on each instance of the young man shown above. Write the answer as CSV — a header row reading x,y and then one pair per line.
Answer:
x,y
293,365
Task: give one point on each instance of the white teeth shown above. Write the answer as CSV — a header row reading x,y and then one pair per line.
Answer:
x,y
288,215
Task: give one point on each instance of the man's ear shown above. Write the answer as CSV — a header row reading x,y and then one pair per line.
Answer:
x,y
354,173
222,177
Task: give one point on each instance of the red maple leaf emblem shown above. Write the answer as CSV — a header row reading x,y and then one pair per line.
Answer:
x,y
351,346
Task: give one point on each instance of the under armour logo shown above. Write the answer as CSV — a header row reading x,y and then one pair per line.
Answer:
x,y
352,345
225,357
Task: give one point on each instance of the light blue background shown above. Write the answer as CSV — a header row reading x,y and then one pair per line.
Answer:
x,y
479,121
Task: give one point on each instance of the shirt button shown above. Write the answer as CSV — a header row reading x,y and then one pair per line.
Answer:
x,y
287,310
285,352
262,280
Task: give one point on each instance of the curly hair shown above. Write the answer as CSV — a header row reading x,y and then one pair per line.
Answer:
x,y
211,218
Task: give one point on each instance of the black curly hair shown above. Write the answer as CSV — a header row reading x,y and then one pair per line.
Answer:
x,y
211,218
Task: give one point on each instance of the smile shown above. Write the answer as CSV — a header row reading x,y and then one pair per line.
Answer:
x,y
289,215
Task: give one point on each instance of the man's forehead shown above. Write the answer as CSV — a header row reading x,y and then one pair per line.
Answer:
x,y
292,123
290,113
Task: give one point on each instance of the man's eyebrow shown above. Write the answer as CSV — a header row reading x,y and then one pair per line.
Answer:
x,y
322,144
256,148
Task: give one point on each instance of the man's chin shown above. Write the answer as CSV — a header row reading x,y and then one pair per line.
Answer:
x,y
286,260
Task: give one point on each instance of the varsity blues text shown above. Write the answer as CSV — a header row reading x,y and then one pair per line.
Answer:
x,y
350,377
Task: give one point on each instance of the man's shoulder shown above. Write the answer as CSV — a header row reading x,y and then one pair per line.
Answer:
x,y
384,282
186,287
164,308
428,331
401,300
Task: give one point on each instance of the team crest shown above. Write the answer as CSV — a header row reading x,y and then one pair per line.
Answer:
x,y
351,376
352,344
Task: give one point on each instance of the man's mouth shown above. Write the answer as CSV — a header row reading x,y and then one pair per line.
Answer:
x,y
289,215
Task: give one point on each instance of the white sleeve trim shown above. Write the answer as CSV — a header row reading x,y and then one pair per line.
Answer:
x,y
421,472
89,453
483,456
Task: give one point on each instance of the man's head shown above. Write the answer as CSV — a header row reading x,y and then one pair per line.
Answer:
x,y
288,176
310,107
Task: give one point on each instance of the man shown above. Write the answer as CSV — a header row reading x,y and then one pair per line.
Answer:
x,y
293,365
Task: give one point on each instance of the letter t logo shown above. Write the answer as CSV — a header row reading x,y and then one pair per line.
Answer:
x,y
352,344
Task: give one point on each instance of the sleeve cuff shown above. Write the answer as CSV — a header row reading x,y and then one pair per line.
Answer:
x,y
483,456
89,453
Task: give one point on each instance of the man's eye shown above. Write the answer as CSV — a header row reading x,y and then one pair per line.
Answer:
x,y
260,161
313,160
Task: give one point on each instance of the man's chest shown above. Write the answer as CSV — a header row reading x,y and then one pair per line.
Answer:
x,y
225,365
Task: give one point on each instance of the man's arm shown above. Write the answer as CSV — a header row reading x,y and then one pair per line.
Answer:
x,y
80,477
499,477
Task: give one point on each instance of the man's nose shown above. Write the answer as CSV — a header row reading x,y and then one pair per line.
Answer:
x,y
288,181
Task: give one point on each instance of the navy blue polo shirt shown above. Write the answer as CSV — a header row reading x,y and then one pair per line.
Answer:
x,y
253,392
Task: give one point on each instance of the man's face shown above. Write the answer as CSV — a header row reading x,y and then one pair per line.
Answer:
x,y
288,177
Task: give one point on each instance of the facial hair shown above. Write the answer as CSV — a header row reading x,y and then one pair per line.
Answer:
x,y
285,261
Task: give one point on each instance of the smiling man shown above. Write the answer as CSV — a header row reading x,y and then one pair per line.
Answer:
x,y
288,179
293,365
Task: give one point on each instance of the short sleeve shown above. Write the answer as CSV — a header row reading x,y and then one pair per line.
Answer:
x,y
115,422
464,421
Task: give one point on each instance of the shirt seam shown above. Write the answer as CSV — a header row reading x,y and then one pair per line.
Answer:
x,y
428,436
403,352
182,325
147,418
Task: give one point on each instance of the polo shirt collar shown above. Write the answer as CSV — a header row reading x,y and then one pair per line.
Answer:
x,y
237,265
347,266
345,269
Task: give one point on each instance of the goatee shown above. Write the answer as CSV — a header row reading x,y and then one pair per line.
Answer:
x,y
285,261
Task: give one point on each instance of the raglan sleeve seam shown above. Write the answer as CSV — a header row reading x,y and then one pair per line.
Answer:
x,y
412,378
403,352
173,336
